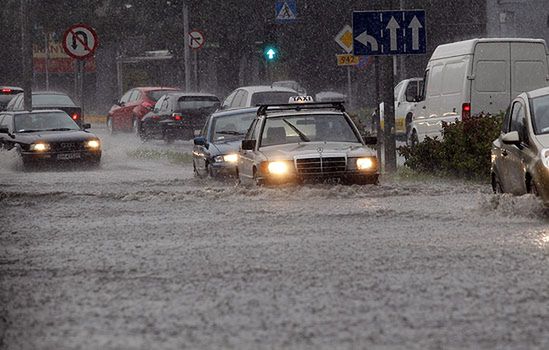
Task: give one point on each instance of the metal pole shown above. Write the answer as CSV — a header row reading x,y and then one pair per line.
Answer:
x,y
187,53
81,65
119,84
401,62
377,115
387,96
349,87
47,60
26,52
197,88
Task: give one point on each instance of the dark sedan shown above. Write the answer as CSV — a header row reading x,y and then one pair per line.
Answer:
x,y
215,151
48,100
48,136
7,93
177,116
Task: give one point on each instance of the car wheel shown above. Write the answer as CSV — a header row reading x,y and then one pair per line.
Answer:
x,y
136,127
110,126
413,139
532,188
258,181
496,184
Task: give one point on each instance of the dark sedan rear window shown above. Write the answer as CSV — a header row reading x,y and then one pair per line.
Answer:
x,y
156,94
6,94
53,100
197,102
271,97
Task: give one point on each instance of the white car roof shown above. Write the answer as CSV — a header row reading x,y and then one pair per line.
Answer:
x,y
539,92
467,47
273,113
265,88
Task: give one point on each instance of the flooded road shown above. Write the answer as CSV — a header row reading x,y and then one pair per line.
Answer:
x,y
138,254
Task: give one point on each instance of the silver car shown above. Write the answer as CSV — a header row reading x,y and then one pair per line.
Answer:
x,y
306,142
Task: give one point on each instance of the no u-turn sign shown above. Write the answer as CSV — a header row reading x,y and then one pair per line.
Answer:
x,y
80,41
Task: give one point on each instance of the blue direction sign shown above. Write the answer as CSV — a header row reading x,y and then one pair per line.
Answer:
x,y
389,32
285,11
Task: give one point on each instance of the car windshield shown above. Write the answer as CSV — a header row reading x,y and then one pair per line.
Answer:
x,y
55,100
230,127
156,94
540,116
30,122
271,97
307,128
197,102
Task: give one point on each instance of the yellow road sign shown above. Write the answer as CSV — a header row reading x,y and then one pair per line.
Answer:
x,y
347,60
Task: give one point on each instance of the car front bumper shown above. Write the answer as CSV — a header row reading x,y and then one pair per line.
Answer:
x,y
83,155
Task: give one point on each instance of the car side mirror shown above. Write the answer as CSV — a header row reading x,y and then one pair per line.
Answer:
x,y
370,140
248,145
86,126
4,131
200,141
511,138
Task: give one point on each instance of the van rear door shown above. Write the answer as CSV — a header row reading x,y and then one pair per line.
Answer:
x,y
490,88
528,67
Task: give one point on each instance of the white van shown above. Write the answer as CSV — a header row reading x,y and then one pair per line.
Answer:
x,y
405,94
473,76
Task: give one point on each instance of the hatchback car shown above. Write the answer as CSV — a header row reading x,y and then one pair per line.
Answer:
x,y
177,115
520,156
49,100
215,151
251,96
48,136
306,142
127,112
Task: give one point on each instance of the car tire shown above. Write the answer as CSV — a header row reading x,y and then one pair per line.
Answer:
x,y
110,126
136,127
496,184
413,139
532,188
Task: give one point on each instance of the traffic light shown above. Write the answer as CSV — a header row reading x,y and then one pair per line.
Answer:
x,y
270,52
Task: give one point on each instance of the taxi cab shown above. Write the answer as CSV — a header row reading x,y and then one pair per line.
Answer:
x,y
304,142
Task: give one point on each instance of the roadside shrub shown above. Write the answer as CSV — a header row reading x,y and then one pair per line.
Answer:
x,y
464,151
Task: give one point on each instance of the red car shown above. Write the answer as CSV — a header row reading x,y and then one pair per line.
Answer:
x,y
126,114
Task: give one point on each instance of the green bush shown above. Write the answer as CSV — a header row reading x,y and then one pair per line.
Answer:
x,y
464,151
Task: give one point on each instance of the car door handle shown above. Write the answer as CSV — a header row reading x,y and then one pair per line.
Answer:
x,y
504,153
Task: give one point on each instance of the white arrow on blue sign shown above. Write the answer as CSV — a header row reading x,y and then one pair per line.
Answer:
x,y
389,33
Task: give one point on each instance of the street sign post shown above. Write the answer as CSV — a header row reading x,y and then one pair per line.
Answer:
x,y
196,39
285,11
80,42
389,32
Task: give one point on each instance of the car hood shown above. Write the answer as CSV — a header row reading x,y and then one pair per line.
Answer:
x,y
225,147
314,149
55,136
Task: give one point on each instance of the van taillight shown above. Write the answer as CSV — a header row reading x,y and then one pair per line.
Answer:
x,y
176,116
465,111
6,90
74,116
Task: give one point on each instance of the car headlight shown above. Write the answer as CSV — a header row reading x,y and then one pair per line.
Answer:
x,y
278,168
366,163
231,158
544,155
39,147
93,144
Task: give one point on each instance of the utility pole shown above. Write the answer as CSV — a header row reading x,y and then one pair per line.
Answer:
x,y
26,53
187,52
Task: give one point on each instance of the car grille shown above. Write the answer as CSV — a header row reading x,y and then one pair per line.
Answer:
x,y
68,146
324,166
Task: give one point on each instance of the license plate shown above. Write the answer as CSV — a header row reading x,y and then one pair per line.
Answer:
x,y
65,156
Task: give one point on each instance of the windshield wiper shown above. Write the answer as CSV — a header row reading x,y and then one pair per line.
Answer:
x,y
229,132
59,129
29,130
302,136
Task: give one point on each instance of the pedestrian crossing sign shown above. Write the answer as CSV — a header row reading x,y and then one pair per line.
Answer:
x,y
285,10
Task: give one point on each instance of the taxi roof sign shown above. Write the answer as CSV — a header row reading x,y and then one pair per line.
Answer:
x,y
301,99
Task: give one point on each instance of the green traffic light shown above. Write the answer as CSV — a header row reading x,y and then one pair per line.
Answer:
x,y
270,53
